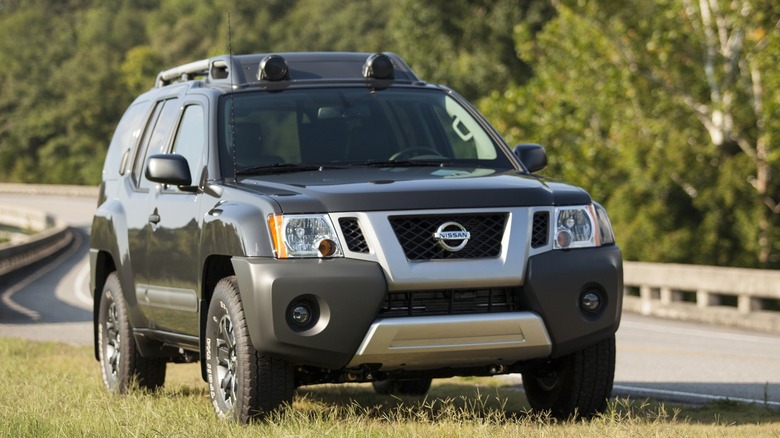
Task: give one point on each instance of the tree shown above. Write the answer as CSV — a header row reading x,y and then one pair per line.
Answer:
x,y
661,108
465,44
62,94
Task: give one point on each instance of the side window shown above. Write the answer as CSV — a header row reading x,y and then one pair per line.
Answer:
x,y
140,153
157,130
191,139
125,139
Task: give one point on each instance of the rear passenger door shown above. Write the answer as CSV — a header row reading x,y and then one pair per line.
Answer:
x,y
174,238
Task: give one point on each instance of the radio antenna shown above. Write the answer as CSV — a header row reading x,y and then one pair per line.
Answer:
x,y
232,103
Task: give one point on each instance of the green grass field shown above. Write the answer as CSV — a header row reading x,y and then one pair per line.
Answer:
x,y
51,390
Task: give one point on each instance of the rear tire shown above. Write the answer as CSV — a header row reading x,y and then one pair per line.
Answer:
x,y
120,362
410,387
243,383
576,385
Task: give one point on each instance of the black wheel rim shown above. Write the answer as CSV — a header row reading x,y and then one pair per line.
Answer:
x,y
227,361
113,340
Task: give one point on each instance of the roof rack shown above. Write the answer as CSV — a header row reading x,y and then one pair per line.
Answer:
x,y
184,72
283,69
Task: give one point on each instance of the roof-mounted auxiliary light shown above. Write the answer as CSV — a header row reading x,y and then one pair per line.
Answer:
x,y
219,69
378,66
272,68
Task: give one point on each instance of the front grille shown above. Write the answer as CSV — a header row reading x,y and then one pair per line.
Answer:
x,y
415,234
540,233
450,302
353,235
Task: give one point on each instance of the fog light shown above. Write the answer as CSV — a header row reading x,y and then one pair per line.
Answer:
x,y
590,301
300,314
307,314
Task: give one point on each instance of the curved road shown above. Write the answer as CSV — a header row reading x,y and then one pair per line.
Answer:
x,y
662,359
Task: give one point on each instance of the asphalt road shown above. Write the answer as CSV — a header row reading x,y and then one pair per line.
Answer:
x,y
51,300
667,360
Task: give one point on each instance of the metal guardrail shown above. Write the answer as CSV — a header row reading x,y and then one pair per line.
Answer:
x,y
744,298
52,235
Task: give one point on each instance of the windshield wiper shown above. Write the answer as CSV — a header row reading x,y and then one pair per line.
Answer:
x,y
283,168
403,163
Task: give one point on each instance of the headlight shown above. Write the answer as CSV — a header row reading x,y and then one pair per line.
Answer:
x,y
297,236
575,227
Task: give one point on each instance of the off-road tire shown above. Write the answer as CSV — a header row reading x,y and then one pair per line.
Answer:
x,y
243,383
410,387
576,385
121,364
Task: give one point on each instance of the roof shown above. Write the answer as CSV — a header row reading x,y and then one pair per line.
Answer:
x,y
239,71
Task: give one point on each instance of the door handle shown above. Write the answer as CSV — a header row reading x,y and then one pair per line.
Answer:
x,y
154,218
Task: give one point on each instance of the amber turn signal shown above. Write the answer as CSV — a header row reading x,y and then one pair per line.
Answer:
x,y
327,247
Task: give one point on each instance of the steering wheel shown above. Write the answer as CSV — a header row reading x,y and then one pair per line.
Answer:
x,y
416,152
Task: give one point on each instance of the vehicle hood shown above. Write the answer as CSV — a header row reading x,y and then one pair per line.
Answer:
x,y
409,188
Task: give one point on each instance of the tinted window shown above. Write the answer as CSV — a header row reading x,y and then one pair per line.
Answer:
x,y
154,140
191,139
125,137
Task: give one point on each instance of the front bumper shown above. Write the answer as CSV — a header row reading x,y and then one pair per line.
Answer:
x,y
555,281
350,294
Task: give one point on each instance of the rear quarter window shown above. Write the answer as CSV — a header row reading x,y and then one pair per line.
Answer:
x,y
125,138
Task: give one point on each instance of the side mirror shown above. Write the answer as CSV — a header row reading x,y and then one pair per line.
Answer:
x,y
169,169
533,156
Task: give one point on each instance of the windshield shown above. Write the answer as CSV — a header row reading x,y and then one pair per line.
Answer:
x,y
337,127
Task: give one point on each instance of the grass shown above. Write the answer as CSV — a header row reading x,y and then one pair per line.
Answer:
x,y
7,231
51,389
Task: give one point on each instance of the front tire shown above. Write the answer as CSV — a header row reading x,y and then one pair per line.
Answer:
x,y
576,385
120,362
243,383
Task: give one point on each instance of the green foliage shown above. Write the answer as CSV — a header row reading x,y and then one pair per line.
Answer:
x,y
665,110
61,94
666,117
465,44
140,64
70,68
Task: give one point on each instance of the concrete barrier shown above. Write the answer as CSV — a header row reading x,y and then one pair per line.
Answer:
x,y
24,219
49,190
744,298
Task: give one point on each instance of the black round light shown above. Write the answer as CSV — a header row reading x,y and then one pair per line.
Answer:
x,y
303,313
590,301
272,68
378,66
